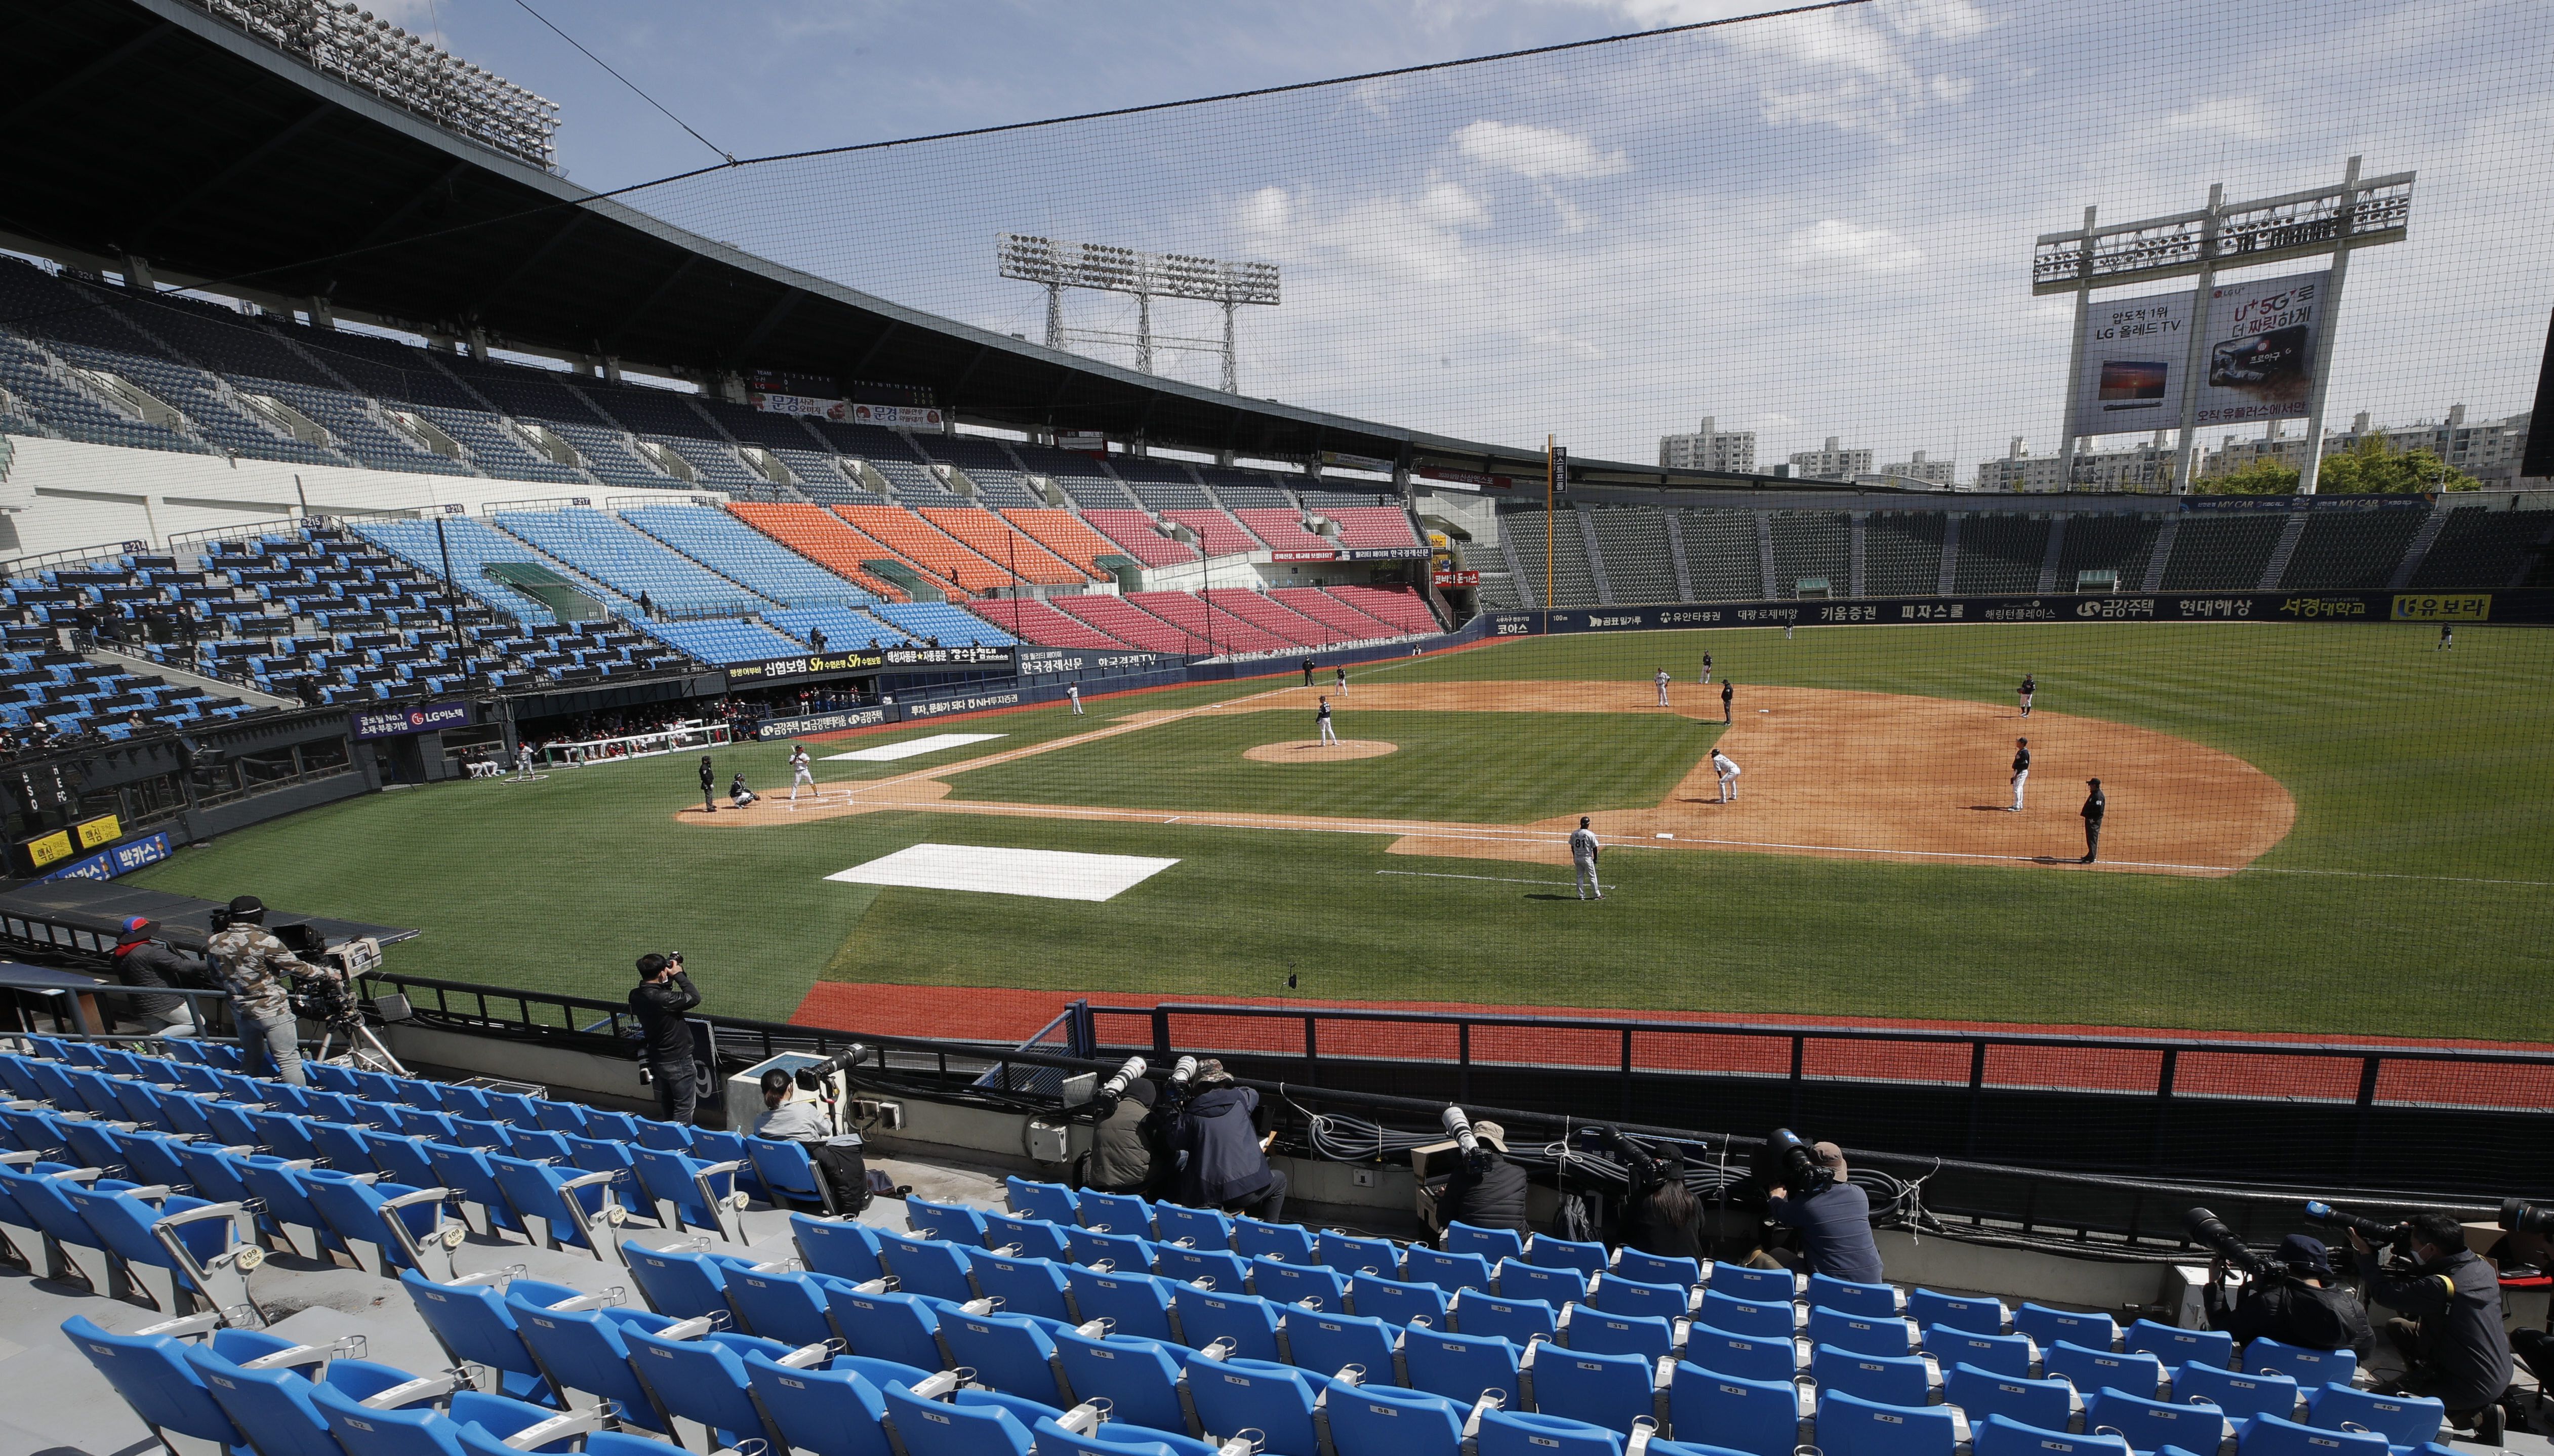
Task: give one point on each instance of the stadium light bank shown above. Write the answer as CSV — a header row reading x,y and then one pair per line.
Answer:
x,y
1110,269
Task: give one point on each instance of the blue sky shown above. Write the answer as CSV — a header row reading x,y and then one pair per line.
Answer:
x,y
1807,226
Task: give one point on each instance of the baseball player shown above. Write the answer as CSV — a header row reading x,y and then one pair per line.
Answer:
x,y
2447,637
1322,716
1728,773
1728,691
738,794
2021,770
1662,687
801,774
1341,673
1583,854
524,761
709,786
1307,672
1073,691
2030,685
1787,631
1706,669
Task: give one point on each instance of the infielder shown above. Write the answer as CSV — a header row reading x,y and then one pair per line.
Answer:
x,y
1662,687
1706,669
1323,717
2021,770
2030,685
1073,691
1341,673
1583,854
1728,772
801,774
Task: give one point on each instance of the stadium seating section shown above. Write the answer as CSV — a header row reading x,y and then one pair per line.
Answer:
x,y
1007,1328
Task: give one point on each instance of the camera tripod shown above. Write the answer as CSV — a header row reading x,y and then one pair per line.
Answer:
x,y
364,1049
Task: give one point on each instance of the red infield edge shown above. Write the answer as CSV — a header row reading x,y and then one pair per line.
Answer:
x,y
1010,1015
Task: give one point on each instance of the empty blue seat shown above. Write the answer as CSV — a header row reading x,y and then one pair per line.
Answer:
x,y
1227,1269
1554,1286
1112,1439
1351,1254
1759,1417
1380,1421
2309,1368
1552,1253
1233,1395
568,1202
843,1248
1902,1380
1876,1301
1140,1379
1460,1367
1293,1284
833,1411
402,1159
2272,1435
1033,1237
361,1212
1286,1242
1195,1228
1532,1433
928,1266
2241,1396
1611,1391
2002,1435
587,1350
153,1375
471,1322
2049,1326
1724,1311
691,1187
951,1221
938,1428
1491,1244
414,1431
1589,1329
1619,1295
1851,1427
1053,1202
2403,1420
889,1326
2177,1347
1248,1322
1756,1357
278,1409
2011,1355
1034,1287
779,1304
1517,1321
1008,1352
1868,1336
2049,1404
1656,1269
2091,1369
1134,1303
703,1380
684,1283
1745,1281
1328,1344
2149,1425
1396,1302
1115,1214
1448,1272
1103,1249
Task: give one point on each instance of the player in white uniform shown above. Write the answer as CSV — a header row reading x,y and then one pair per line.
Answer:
x,y
1322,716
2021,770
1662,687
1073,692
1583,854
1728,772
801,774
524,761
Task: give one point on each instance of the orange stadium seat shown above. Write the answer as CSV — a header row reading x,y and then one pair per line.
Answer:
x,y
1062,532
1219,534
926,546
1284,531
813,532
1133,533
994,539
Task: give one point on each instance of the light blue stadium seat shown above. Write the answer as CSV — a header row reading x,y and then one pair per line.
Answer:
x,y
1491,1244
1350,1254
1230,1271
1724,1311
1552,1253
2049,1404
2177,1347
703,1380
674,1179
779,1304
1870,1300
843,1248
1099,1248
1517,1321
1461,1367
1534,1433
588,1350
1868,1336
684,1283
2011,1355
951,1222
1114,1438
928,1266
1248,1322
1135,1303
414,1431
1053,1202
834,1411
2272,1435
1232,1396
1293,1284
1008,1352
1656,1269
1033,1287
1554,1286
1754,1357
2241,1396
154,1378
2149,1425
564,1199
1034,1237
1328,1344
1904,1381
1620,1295
1448,1272
1742,1281
279,1411
940,1428
2403,1420
2049,1326
1851,1427
900,1328
1396,1302
1116,1214
1198,1228
471,1322
1973,1312
1759,1417
1286,1242
2092,1369
1998,1434
2309,1368
1372,1420
1611,1391
1141,1378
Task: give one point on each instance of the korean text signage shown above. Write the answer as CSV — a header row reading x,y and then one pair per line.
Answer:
x,y
808,665
899,417
2130,363
799,404
1458,578
103,830
121,859
1035,663
1468,480
962,705
978,657
2535,606
1089,442
46,850
824,723
391,723
2259,361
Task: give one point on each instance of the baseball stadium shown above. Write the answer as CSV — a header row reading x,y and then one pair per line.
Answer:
x,y
761,802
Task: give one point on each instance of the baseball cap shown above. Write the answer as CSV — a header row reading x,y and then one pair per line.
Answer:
x,y
248,905
136,929
2299,1251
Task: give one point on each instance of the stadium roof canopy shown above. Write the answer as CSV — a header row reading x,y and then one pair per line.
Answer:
x,y
151,129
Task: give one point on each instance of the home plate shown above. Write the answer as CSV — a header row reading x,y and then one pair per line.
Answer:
x,y
1049,874
915,747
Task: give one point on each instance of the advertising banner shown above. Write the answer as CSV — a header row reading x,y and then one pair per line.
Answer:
x,y
799,404
1458,578
2530,607
806,665
1089,442
1382,553
1038,663
975,703
1345,461
2130,363
121,859
998,657
824,723
103,830
46,850
2261,349
1285,555
391,723
1468,480
899,416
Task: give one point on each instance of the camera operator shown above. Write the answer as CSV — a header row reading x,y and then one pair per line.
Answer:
x,y
2296,1299
1834,1220
143,960
1120,1160
839,1161
1659,1213
661,998
2455,1347
1222,1140
1487,1192
259,972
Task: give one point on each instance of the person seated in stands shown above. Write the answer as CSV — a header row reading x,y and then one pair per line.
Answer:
x,y
1834,1220
1662,1215
2301,1303
738,794
1221,1141
1488,1191
840,1159
1122,1144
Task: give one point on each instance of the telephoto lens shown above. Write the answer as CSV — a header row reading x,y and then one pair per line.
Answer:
x,y
2377,1234
2519,1216
1114,1090
814,1077
2207,1228
1459,1126
1183,1071
1796,1163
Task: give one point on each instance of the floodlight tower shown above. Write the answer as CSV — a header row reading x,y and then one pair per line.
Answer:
x,y
1107,268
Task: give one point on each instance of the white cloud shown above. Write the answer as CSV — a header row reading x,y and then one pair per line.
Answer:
x,y
1537,152
2243,118
1834,243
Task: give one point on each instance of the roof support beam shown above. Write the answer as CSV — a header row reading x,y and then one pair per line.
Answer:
x,y
223,177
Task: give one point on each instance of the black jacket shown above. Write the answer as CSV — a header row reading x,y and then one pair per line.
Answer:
x,y
2292,1312
1645,1228
1491,1196
2094,805
660,1007
2458,1301
155,963
1221,1162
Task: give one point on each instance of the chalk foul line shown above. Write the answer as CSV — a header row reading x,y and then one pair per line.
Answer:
x,y
1493,879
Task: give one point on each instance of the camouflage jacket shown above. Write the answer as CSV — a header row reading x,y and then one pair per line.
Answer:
x,y
257,970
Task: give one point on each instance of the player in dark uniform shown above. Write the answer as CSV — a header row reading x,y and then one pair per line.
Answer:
x,y
1706,669
2446,636
1728,690
2021,770
2030,685
2094,808
1307,672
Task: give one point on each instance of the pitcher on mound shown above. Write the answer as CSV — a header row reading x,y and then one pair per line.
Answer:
x,y
1323,717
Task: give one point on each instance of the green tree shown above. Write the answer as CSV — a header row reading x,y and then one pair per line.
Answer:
x,y
2261,476
2373,467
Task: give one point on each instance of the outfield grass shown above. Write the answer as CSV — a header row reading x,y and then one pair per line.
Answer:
x,y
2420,779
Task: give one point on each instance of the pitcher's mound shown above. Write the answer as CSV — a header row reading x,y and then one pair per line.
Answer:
x,y
1313,751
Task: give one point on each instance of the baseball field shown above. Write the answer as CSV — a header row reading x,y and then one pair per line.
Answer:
x,y
2297,817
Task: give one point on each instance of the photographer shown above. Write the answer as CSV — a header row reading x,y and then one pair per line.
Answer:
x,y
2294,1300
1661,1215
1834,1220
661,998
2455,1347
1487,1192
1120,1160
1222,1147
141,959
839,1161
259,973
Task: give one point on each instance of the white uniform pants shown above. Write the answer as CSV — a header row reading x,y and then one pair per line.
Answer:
x,y
1587,880
1076,704
1728,788
2019,776
1328,736
808,779
1663,694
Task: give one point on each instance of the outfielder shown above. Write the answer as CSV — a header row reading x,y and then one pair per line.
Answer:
x,y
1583,854
801,774
2021,770
1073,692
1323,717
1728,772
1662,687
2447,637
